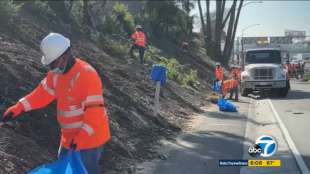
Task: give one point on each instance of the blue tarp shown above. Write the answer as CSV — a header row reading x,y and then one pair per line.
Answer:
x,y
159,73
225,105
70,164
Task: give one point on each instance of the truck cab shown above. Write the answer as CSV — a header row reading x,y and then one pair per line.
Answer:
x,y
263,70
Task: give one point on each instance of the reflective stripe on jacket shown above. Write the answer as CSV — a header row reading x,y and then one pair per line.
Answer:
x,y
139,38
79,104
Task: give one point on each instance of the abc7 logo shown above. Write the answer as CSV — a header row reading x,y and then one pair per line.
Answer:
x,y
265,146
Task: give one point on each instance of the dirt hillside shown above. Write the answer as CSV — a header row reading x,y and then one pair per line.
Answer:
x,y
128,91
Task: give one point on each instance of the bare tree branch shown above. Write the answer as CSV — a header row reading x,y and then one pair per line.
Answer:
x,y
201,17
229,39
227,16
236,22
209,31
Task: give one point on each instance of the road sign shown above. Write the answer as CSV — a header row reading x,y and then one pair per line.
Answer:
x,y
280,40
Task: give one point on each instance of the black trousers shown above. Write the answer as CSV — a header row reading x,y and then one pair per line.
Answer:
x,y
141,52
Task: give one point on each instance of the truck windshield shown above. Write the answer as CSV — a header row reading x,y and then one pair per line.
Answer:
x,y
263,56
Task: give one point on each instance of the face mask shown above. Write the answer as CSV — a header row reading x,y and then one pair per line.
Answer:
x,y
60,69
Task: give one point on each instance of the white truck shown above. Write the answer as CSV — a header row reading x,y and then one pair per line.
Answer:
x,y
263,70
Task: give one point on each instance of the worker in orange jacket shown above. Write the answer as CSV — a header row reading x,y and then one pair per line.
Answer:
x,y
231,86
139,43
235,72
219,72
77,88
289,69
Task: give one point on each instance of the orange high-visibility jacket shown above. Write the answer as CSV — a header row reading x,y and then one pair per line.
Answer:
x,y
290,67
80,105
236,73
229,84
219,73
139,38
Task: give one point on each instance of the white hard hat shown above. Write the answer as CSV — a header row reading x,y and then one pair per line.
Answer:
x,y
139,26
217,64
53,46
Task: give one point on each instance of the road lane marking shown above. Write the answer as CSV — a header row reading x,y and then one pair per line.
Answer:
x,y
247,144
301,163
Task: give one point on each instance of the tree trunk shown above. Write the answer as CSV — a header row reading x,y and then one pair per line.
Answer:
x,y
209,31
218,31
229,41
201,18
236,24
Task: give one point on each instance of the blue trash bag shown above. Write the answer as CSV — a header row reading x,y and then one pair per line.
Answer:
x,y
217,87
159,73
226,106
70,164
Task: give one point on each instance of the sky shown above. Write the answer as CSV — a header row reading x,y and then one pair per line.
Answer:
x,y
273,17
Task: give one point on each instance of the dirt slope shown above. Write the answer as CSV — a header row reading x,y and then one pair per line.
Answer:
x,y
33,138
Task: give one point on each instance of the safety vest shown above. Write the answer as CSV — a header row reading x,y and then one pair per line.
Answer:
x,y
80,104
219,74
139,38
236,73
229,84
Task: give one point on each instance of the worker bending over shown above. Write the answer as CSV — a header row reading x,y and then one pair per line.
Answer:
x,y
77,88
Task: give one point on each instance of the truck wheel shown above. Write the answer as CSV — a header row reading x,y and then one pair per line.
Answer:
x,y
244,92
288,85
282,92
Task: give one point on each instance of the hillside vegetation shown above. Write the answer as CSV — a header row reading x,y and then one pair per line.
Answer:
x,y
99,33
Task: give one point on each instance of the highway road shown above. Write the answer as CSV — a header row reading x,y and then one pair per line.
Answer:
x,y
215,135
294,111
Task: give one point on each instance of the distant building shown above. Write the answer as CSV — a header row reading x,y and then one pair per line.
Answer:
x,y
295,34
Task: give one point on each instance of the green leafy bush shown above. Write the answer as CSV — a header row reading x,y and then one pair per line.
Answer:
x,y
121,20
112,47
178,72
110,26
190,79
173,67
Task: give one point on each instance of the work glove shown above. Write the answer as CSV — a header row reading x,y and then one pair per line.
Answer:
x,y
12,112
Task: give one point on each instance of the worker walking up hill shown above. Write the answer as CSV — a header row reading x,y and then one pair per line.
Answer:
x,y
139,43
77,88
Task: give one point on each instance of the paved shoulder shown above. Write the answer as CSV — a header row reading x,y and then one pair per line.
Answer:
x,y
213,136
262,121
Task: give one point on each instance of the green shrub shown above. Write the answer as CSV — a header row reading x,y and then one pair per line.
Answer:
x,y
7,11
112,47
178,72
190,79
123,17
110,26
120,22
152,54
172,66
